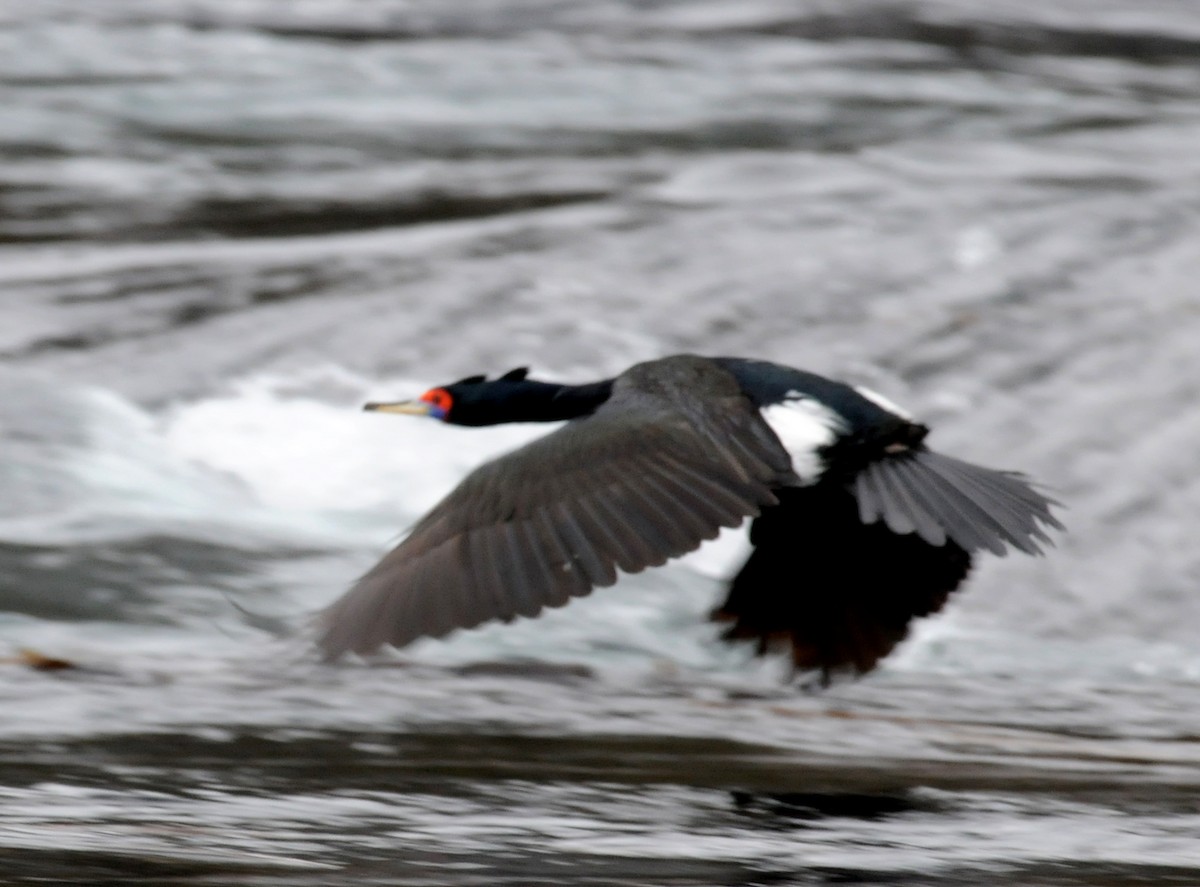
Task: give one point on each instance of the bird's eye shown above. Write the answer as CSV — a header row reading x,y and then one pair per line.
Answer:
x,y
440,400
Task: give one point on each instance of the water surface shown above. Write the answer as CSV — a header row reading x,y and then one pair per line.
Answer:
x,y
224,227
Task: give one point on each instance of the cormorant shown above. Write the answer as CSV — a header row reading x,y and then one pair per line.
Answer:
x,y
857,526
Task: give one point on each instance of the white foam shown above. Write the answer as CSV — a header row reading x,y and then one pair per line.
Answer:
x,y
97,465
304,444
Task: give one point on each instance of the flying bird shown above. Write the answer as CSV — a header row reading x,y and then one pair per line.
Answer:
x,y
858,527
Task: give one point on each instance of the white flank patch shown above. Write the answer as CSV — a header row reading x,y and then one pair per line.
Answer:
x,y
880,401
803,426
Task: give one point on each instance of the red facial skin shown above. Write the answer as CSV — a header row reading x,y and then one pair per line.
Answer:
x,y
440,402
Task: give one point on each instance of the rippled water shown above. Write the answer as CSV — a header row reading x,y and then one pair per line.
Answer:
x,y
226,225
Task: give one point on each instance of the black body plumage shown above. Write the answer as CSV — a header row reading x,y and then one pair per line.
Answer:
x,y
659,459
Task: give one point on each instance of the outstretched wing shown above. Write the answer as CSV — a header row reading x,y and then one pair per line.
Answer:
x,y
839,571
642,480
939,497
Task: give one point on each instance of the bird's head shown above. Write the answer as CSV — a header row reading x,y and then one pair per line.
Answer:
x,y
477,400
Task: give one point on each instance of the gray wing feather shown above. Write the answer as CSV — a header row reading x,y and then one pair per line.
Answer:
x,y
637,483
870,506
906,488
939,497
897,512
1005,497
924,515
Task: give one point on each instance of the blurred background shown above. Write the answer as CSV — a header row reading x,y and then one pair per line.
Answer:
x,y
225,224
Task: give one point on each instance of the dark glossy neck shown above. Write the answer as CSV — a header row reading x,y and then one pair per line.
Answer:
x,y
502,401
